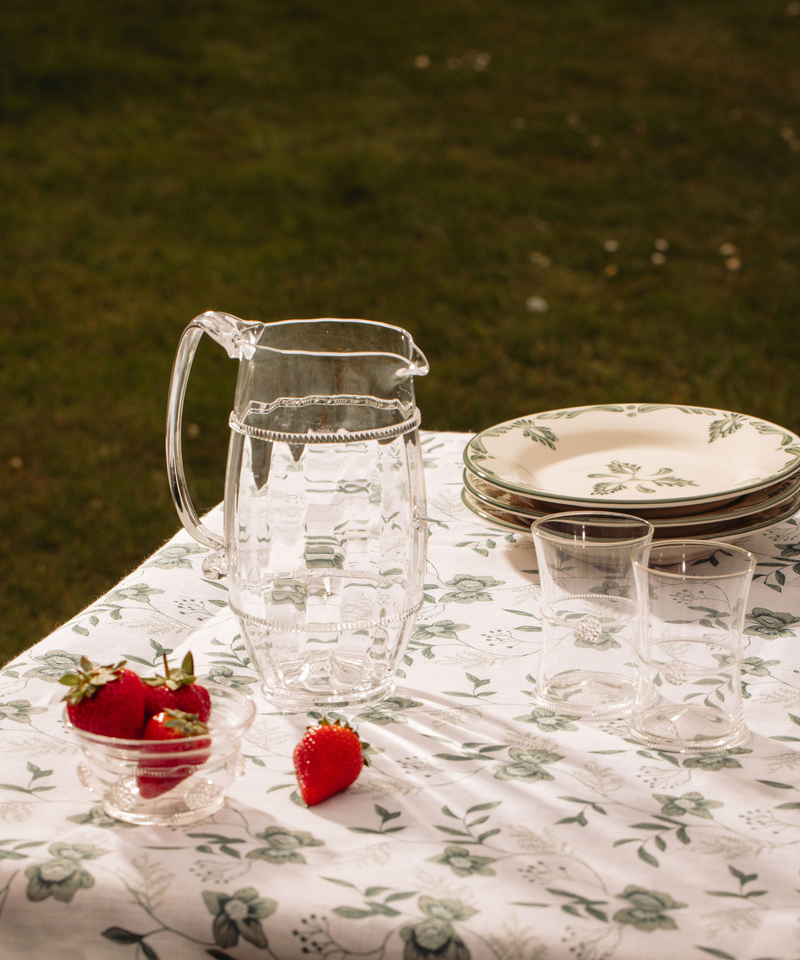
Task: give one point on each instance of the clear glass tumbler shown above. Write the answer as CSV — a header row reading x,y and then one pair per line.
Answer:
x,y
587,664
692,597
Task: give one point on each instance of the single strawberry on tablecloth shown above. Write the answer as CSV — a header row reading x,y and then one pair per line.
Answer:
x,y
108,701
327,760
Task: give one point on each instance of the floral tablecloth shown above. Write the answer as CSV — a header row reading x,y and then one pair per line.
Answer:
x,y
484,828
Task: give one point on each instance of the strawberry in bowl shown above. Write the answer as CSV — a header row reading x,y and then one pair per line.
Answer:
x,y
178,744
178,689
108,701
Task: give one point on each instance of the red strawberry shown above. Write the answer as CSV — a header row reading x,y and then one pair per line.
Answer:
x,y
327,760
106,700
177,690
169,726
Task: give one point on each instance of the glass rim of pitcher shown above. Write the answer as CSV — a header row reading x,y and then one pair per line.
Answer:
x,y
689,543
598,517
403,333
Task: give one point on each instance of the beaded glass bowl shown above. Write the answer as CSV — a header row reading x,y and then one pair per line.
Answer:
x,y
169,783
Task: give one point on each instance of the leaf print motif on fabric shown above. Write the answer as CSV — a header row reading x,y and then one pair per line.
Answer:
x,y
239,914
433,940
580,817
463,863
389,711
770,625
445,629
282,845
477,693
775,578
20,711
175,556
467,835
527,765
55,664
436,938
386,816
664,477
740,894
549,721
140,592
692,803
717,761
646,910
756,667
612,588
226,677
469,589
97,817
62,877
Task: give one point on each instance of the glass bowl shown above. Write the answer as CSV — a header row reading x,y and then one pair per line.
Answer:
x,y
174,782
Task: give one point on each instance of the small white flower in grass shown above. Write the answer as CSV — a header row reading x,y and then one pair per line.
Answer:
x,y
787,133
192,430
611,246
574,119
728,249
16,463
661,244
658,258
733,263
793,9
481,61
537,305
596,140
540,259
611,270
422,61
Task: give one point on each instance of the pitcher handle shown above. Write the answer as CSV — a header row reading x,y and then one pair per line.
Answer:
x,y
177,479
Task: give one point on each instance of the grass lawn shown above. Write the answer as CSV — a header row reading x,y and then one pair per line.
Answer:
x,y
565,202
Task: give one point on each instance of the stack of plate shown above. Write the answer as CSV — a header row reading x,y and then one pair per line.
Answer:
x,y
691,471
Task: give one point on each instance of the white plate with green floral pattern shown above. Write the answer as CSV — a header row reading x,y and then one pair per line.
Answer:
x,y
634,453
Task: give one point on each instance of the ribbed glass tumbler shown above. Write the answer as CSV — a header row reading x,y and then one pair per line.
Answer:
x,y
692,599
587,664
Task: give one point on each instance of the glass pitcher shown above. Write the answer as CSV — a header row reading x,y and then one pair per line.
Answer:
x,y
324,516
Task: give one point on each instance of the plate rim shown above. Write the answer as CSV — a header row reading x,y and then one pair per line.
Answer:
x,y
782,518
790,443
790,493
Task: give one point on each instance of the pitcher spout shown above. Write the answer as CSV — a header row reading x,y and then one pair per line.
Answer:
x,y
418,364
237,337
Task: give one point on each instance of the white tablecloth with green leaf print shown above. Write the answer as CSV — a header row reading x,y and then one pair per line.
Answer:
x,y
484,828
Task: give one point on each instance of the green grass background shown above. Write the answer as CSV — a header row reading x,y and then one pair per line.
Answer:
x,y
288,158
